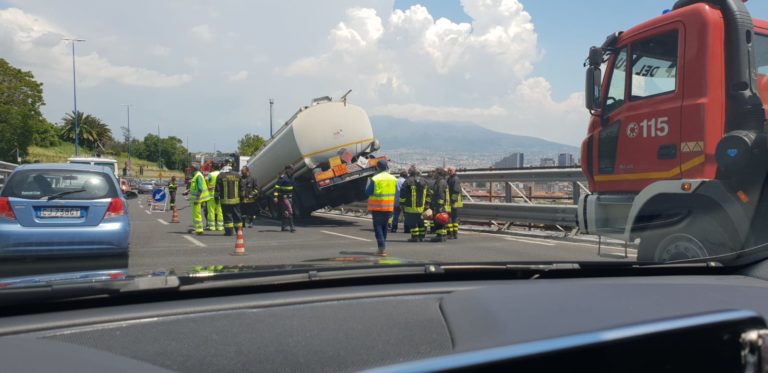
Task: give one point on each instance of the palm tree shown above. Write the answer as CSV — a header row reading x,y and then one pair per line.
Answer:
x,y
92,131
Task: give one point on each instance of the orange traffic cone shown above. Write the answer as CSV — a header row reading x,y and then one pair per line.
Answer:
x,y
239,244
174,216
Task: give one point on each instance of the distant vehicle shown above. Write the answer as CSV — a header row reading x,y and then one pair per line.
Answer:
x,y
146,187
96,161
63,210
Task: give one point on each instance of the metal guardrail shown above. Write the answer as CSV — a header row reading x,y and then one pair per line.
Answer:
x,y
5,170
520,213
508,212
516,212
524,175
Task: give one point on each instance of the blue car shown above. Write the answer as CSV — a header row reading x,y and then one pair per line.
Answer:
x,y
63,211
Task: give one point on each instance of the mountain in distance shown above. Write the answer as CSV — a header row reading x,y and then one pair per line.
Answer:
x,y
457,137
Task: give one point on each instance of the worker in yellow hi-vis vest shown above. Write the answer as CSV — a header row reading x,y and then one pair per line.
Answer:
x,y
198,193
215,215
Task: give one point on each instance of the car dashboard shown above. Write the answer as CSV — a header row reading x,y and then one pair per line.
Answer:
x,y
628,323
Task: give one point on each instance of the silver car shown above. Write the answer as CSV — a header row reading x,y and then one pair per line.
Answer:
x,y
146,187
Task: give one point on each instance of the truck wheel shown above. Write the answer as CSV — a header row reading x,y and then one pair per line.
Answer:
x,y
699,237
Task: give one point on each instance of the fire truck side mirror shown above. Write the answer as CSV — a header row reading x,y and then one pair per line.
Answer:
x,y
592,88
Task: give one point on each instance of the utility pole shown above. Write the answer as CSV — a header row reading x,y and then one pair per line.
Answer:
x,y
74,90
271,103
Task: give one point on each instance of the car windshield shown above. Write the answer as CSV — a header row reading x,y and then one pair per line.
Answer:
x,y
75,185
251,136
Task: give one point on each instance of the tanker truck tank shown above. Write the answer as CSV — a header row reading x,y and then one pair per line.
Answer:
x,y
328,143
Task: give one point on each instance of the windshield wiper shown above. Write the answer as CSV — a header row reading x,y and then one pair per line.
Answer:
x,y
62,194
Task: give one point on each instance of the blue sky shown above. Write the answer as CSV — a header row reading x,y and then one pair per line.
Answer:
x,y
206,69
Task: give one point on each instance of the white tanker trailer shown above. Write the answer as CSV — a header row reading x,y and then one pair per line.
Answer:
x,y
330,145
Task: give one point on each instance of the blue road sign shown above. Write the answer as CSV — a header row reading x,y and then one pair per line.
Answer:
x,y
158,195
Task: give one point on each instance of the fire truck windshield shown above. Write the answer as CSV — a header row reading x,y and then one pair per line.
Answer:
x,y
761,54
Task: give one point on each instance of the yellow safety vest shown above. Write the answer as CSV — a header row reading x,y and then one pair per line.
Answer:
x,y
212,180
198,189
384,189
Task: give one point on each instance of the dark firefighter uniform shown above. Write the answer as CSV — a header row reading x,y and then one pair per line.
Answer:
x,y
227,193
429,225
248,201
440,201
283,196
413,199
454,187
172,188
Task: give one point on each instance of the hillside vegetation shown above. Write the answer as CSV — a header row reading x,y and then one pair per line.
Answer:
x,y
60,153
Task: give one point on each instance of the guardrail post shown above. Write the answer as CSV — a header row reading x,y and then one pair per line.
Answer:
x,y
508,193
576,192
490,191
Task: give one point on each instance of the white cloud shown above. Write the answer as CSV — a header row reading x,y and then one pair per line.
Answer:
x,y
159,50
202,32
407,64
240,75
441,113
37,44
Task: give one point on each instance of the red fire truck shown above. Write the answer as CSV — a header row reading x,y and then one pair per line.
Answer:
x,y
676,150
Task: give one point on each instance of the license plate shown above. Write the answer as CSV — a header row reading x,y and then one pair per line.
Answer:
x,y
60,212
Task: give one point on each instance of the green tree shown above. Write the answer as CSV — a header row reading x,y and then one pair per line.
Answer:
x,y
45,135
170,150
92,132
250,144
20,100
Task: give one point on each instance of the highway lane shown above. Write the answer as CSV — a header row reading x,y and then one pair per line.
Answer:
x,y
157,244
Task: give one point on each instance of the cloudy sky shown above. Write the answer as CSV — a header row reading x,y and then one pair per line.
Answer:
x,y
206,69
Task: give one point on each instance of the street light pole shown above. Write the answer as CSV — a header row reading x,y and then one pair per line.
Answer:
x,y
130,137
271,102
74,90
159,155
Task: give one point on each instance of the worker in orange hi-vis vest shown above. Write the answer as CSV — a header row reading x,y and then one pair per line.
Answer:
x,y
381,191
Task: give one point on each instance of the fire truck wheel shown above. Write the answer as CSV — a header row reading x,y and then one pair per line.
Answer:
x,y
700,237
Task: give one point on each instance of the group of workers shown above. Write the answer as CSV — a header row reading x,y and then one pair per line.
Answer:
x,y
230,198
429,204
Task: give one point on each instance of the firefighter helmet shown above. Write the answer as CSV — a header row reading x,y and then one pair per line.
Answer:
x,y
442,218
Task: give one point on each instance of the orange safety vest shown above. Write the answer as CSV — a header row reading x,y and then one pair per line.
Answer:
x,y
384,189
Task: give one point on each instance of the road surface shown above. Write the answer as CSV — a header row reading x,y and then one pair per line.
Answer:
x,y
157,244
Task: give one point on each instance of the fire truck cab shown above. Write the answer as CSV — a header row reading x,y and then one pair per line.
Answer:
x,y
676,149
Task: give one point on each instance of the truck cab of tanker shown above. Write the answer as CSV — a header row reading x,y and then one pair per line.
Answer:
x,y
676,147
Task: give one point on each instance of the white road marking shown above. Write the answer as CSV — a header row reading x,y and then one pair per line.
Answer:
x,y
148,212
556,241
344,235
195,241
341,216
163,222
529,241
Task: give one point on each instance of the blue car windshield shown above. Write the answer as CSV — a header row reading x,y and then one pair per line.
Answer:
x,y
38,184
